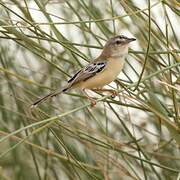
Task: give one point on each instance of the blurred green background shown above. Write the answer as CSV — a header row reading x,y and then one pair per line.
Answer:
x,y
134,136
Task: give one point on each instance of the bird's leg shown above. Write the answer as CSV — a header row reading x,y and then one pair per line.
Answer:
x,y
114,93
93,101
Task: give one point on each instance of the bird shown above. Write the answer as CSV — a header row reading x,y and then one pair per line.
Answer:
x,y
100,72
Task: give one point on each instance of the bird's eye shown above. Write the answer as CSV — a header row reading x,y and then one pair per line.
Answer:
x,y
118,42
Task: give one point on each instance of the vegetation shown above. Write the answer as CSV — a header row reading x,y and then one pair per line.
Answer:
x,y
133,136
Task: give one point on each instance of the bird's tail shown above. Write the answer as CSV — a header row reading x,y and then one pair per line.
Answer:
x,y
50,95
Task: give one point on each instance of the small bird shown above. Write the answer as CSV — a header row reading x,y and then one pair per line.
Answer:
x,y
100,72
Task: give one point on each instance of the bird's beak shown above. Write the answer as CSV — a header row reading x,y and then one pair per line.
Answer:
x,y
130,40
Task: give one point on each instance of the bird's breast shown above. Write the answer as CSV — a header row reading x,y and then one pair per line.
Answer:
x,y
114,66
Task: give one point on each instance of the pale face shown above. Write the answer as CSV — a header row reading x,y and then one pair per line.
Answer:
x,y
118,46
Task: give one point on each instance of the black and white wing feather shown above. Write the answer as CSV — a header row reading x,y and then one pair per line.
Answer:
x,y
88,72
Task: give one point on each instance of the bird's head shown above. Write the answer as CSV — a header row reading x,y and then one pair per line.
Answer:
x,y
117,46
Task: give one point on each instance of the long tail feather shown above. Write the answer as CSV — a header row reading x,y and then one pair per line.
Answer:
x,y
52,94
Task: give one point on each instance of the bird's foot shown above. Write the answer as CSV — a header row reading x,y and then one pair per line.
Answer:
x,y
93,102
114,94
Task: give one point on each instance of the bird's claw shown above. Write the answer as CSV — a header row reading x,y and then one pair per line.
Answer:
x,y
93,103
114,94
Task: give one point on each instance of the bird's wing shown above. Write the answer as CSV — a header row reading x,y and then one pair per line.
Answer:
x,y
88,72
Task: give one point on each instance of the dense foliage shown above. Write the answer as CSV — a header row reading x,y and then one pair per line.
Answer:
x,y
134,136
